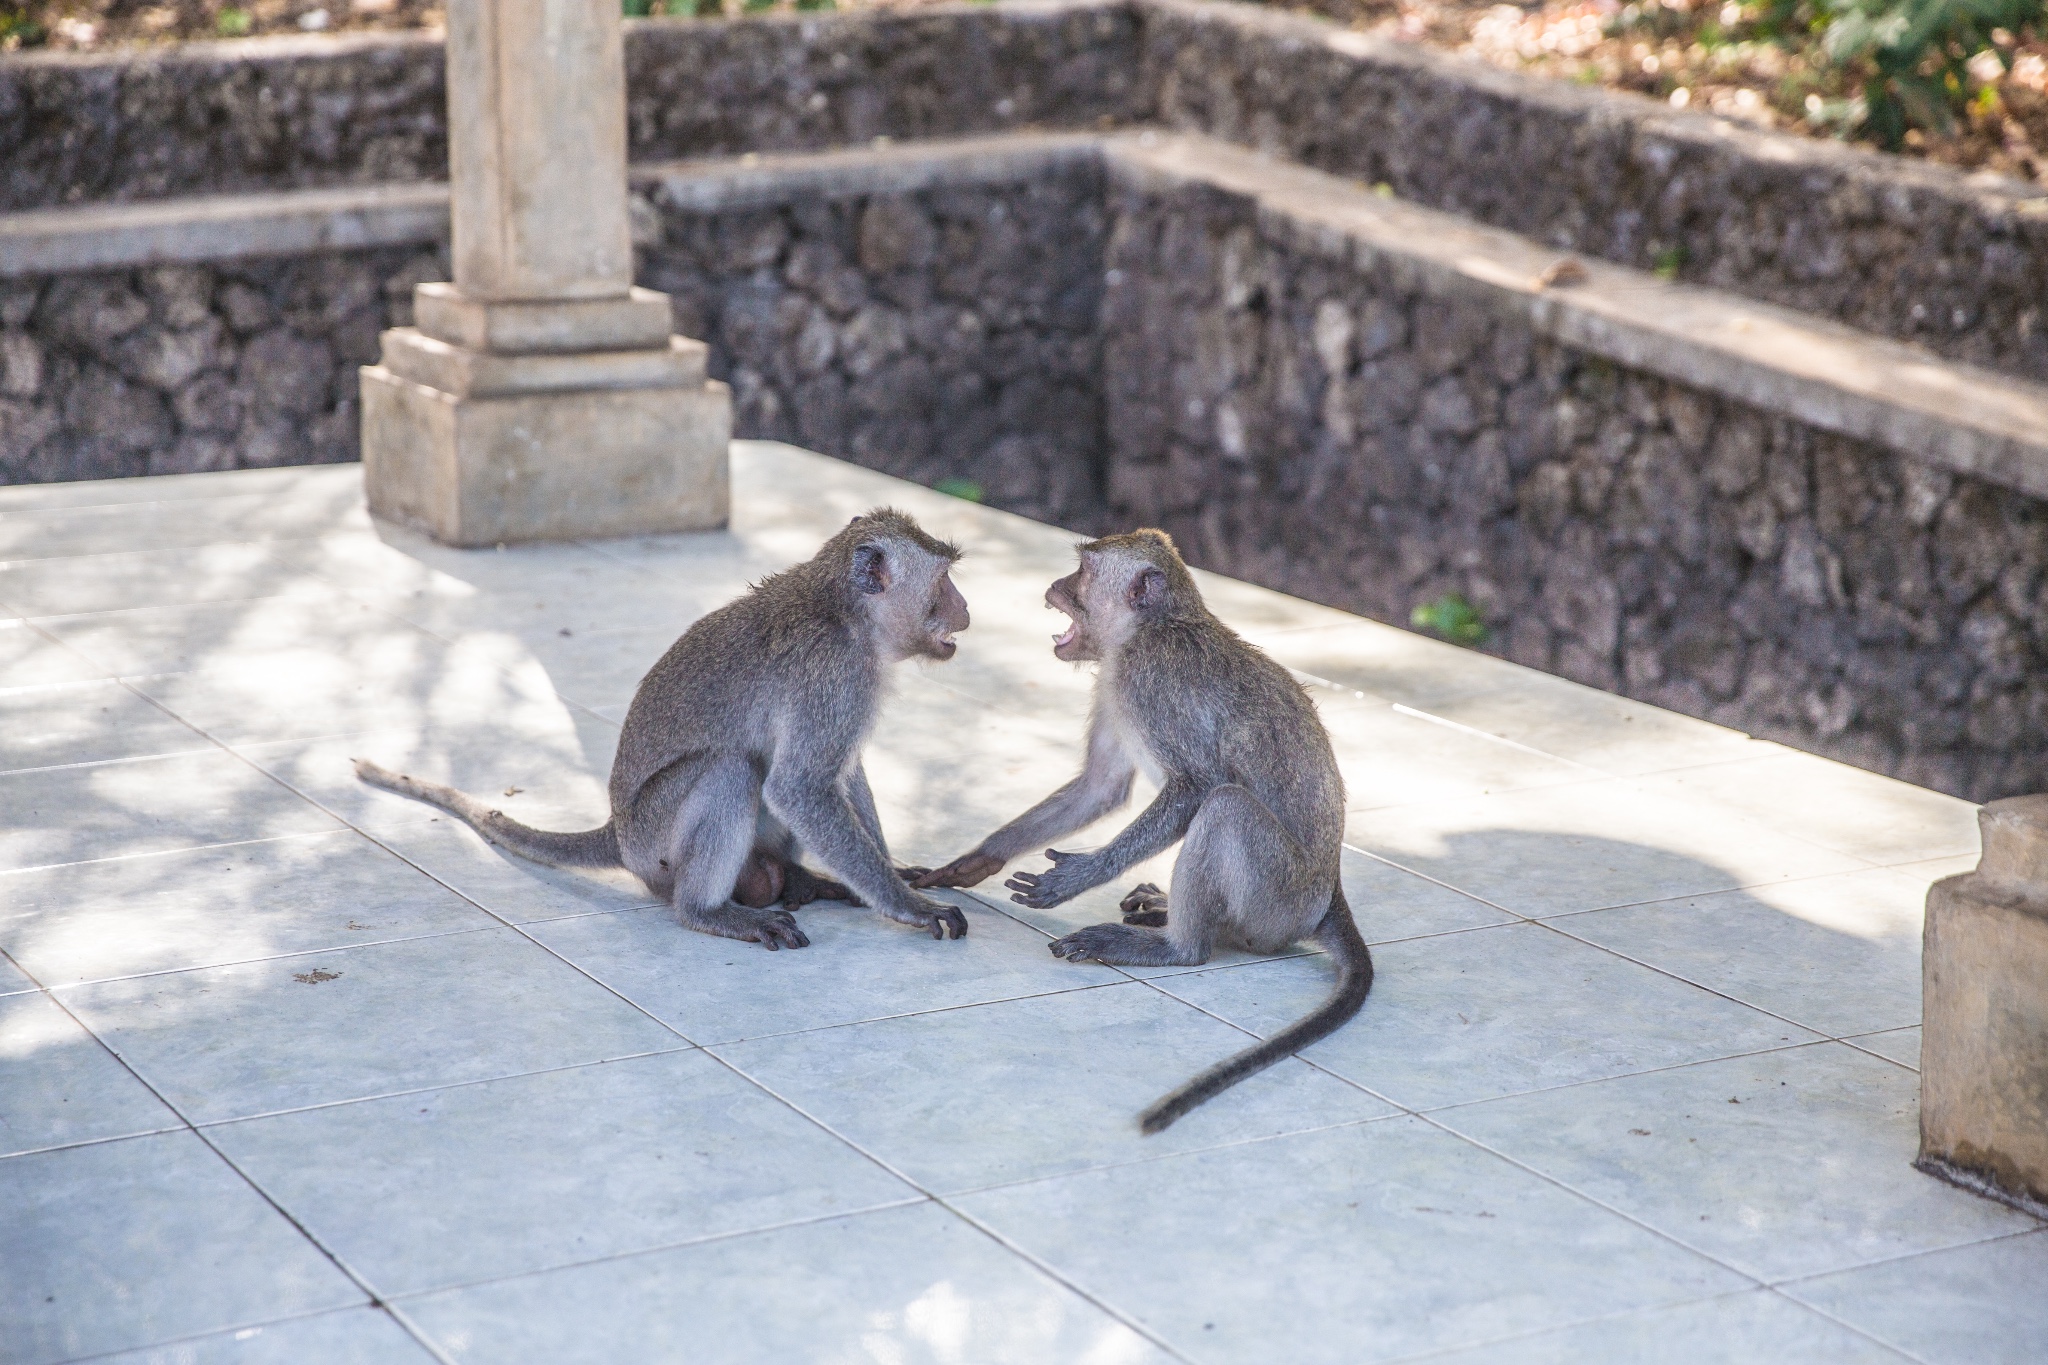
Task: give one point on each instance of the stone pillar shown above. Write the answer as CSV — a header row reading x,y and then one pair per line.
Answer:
x,y
1984,1046
540,396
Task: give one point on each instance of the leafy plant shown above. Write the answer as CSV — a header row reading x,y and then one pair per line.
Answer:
x,y
234,23
1915,55
966,489
1451,617
18,29
638,9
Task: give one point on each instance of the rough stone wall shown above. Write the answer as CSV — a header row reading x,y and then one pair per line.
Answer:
x,y
1304,424
275,114
806,82
1957,263
220,118
1902,248
946,333
178,369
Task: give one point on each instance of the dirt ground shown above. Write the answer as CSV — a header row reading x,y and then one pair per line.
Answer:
x,y
1714,55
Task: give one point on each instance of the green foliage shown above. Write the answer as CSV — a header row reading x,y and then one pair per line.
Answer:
x,y
1451,617
234,23
1874,68
1669,262
815,4
638,9
17,29
1915,55
965,489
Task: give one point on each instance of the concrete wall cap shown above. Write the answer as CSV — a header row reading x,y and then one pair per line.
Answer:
x,y
2015,861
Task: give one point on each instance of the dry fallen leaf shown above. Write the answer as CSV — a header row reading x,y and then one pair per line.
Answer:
x,y
1561,273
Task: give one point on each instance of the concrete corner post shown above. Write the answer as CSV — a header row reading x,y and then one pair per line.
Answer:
x,y
540,396
1984,1047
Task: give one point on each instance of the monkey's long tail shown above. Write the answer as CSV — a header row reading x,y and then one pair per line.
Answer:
x,y
1337,933
585,848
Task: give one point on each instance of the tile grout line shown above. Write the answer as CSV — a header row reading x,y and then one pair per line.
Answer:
x,y
945,1203
347,1271
659,1248
1616,952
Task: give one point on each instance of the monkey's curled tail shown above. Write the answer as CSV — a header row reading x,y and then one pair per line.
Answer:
x,y
1337,933
585,848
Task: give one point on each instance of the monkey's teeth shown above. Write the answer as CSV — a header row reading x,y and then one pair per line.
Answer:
x,y
1066,637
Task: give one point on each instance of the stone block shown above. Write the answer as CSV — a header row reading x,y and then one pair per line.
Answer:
x,y
478,471
678,362
638,321
1984,1047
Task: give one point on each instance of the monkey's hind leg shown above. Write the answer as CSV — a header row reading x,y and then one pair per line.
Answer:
x,y
1145,905
775,873
692,830
1239,876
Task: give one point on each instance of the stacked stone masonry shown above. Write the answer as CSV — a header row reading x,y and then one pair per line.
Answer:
x,y
1953,262
181,368
942,333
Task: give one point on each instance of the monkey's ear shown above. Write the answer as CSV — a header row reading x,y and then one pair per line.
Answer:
x,y
1147,591
870,569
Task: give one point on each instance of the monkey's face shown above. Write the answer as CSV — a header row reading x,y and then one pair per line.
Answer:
x,y
945,617
1072,644
912,600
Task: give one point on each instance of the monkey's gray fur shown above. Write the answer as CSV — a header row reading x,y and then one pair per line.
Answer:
x,y
741,751
1246,779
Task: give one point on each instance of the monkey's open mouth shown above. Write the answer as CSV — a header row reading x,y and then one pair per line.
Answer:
x,y
1067,636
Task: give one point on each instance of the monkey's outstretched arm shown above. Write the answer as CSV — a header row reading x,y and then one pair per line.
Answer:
x,y
819,811
1102,785
1158,827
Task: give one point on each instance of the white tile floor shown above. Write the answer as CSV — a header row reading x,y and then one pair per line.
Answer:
x,y
292,1071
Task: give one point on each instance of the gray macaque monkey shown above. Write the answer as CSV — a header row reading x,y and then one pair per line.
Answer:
x,y
1247,782
741,750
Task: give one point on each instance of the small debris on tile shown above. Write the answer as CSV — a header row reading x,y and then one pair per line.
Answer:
x,y
1562,273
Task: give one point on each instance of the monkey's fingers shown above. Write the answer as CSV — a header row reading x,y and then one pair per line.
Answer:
x,y
911,874
969,869
950,924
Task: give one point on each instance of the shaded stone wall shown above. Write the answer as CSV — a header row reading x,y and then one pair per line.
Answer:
x,y
1958,263
177,369
1319,428
943,333
275,114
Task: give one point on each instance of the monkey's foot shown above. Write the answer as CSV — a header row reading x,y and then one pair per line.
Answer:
x,y
772,929
1121,945
801,886
1145,905
777,929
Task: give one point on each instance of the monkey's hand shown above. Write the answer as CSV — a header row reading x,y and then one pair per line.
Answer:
x,y
938,918
969,869
1069,875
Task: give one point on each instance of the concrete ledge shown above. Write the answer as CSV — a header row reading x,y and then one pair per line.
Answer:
x,y
220,228
1836,378
886,168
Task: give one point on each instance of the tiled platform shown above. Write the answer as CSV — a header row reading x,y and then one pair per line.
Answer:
x,y
292,1071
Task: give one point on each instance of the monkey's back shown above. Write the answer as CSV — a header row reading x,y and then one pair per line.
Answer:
x,y
1213,706
735,676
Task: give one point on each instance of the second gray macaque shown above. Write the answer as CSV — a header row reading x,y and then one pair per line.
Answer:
x,y
741,751
1248,784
